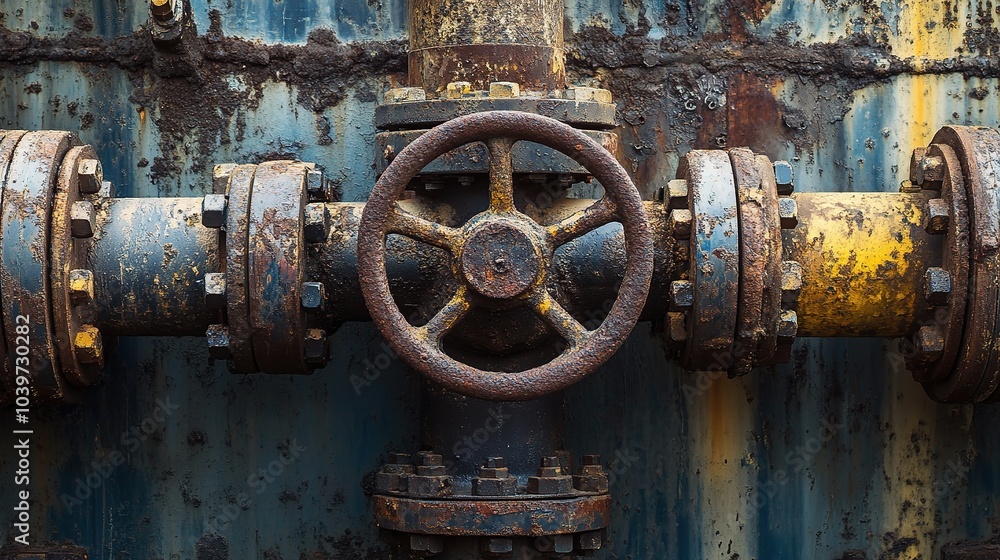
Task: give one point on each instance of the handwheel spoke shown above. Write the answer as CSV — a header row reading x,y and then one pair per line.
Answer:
x,y
556,315
594,216
404,223
448,316
501,174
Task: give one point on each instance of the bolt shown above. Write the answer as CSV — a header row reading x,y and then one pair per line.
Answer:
x,y
313,295
217,337
81,286
938,216
426,544
788,211
549,462
213,210
398,458
589,460
791,281
81,219
788,326
215,290
220,177
429,459
677,194
317,347
107,190
458,90
680,223
783,177
589,94
493,463
162,10
404,94
496,546
560,544
88,345
915,158
930,172
493,467
91,175
681,294
590,540
930,343
937,286
505,90
317,223
677,326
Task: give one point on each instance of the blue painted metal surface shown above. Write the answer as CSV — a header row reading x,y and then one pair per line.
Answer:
x,y
839,450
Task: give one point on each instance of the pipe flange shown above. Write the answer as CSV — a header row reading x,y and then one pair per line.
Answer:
x,y
74,309
24,265
976,372
276,268
710,296
239,190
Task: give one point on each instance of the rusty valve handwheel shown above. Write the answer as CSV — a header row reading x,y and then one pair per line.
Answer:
x,y
502,254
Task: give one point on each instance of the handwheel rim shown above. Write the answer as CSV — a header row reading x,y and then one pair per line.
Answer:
x,y
431,360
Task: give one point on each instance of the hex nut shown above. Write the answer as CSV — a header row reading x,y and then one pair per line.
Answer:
x,y
220,177
390,476
429,459
930,172
428,486
938,216
681,294
505,90
590,540
213,210
81,219
317,347
217,337
677,194
316,226
680,223
915,158
788,326
506,486
458,90
81,286
313,295
676,326
404,94
215,290
784,177
791,281
937,286
496,546
559,544
426,544
930,343
550,479
91,175
88,345
788,211
598,95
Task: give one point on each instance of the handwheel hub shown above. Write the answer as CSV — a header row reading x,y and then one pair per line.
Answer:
x,y
500,260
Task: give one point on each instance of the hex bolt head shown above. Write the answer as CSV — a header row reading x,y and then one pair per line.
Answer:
x,y
91,175
426,544
559,544
313,295
680,223
937,286
81,286
590,540
81,219
404,94
591,460
162,10
676,327
915,158
220,177
458,90
317,347
677,194
399,458
597,95
215,290
791,281
316,226
788,211
494,463
496,546
429,459
930,343
938,216
217,337
505,90
784,177
788,326
930,172
213,210
681,294
88,345
548,462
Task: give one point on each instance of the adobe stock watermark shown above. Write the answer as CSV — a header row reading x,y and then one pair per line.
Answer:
x,y
796,462
100,470
956,472
257,482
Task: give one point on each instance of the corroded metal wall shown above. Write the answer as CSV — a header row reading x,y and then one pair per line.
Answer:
x,y
838,451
